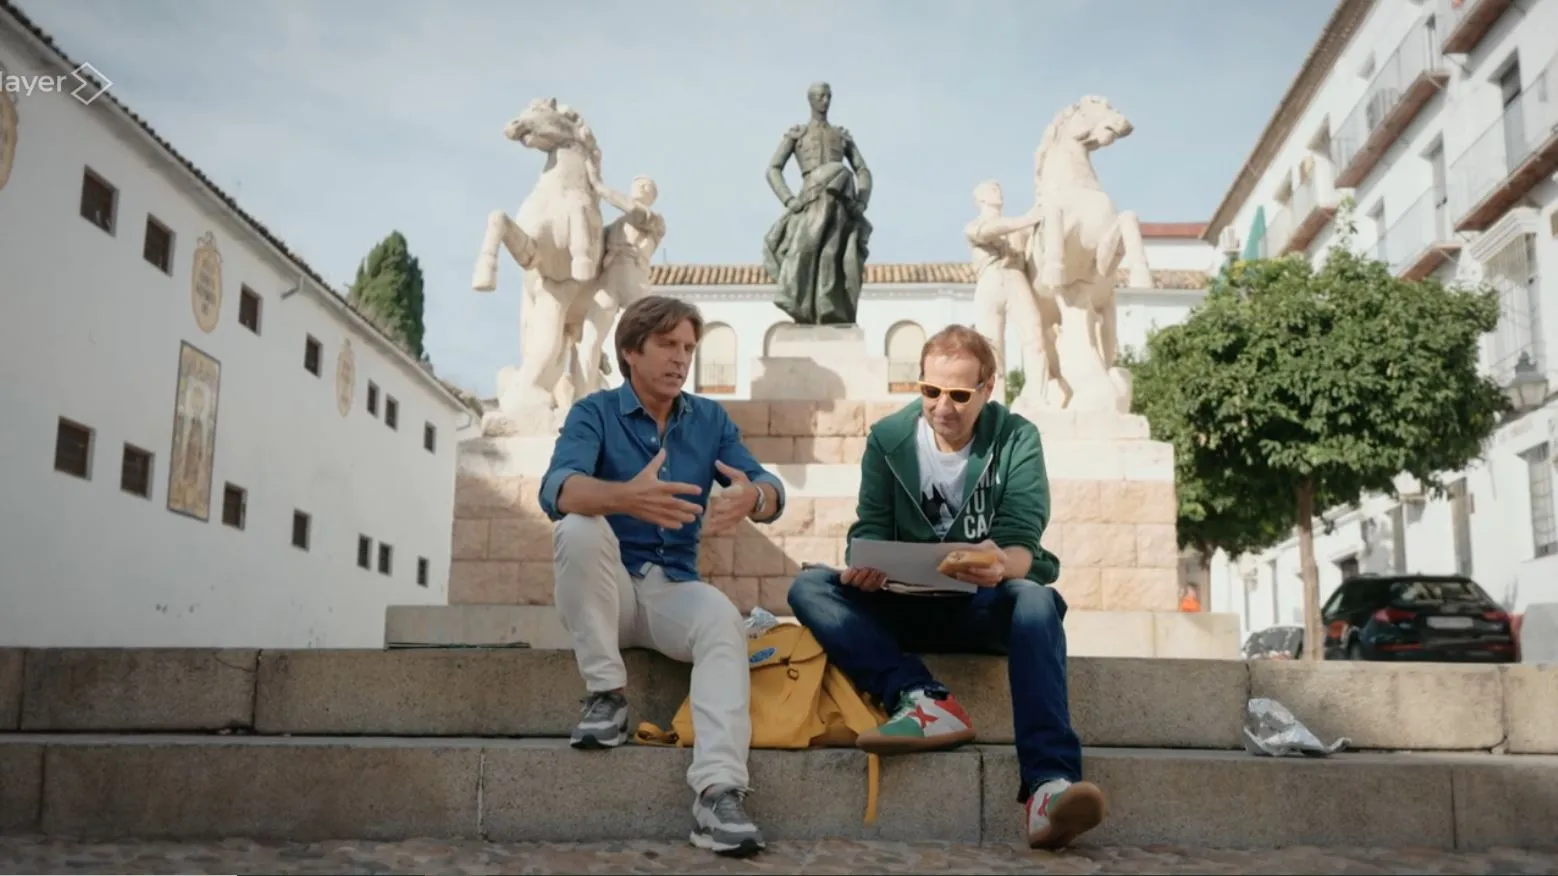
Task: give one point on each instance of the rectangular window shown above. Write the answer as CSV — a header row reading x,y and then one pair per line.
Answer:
x,y
99,201
1539,477
73,449
364,552
312,352
301,524
373,398
429,437
235,506
249,309
391,412
135,472
158,247
422,569
386,554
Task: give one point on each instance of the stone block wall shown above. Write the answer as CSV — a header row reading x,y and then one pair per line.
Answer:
x,y
1115,536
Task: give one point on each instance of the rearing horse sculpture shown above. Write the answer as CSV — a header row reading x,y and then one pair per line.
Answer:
x,y
557,239
1074,257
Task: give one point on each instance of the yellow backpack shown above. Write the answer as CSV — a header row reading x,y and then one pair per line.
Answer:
x,y
798,701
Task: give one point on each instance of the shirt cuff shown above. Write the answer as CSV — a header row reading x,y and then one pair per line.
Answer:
x,y
551,487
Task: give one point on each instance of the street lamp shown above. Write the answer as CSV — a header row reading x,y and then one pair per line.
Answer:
x,y
1528,388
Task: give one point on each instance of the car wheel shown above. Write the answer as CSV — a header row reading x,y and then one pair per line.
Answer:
x,y
1355,650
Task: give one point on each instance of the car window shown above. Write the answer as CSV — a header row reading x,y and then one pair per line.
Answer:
x,y
1427,594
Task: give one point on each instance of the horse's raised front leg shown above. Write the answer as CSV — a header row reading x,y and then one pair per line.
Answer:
x,y
501,231
1134,250
1052,271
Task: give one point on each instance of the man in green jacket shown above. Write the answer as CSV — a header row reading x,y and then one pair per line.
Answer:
x,y
955,467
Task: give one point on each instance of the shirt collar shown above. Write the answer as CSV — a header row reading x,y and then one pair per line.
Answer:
x,y
627,401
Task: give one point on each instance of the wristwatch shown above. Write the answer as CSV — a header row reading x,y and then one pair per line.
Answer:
x,y
762,502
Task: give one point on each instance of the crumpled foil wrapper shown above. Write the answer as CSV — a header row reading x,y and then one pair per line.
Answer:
x,y
759,622
1271,730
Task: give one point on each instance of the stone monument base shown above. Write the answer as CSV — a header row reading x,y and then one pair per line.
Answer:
x,y
818,363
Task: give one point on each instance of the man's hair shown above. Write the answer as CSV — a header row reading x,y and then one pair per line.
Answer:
x,y
649,316
960,340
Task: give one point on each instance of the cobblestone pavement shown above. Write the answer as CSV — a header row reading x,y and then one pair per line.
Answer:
x,y
50,855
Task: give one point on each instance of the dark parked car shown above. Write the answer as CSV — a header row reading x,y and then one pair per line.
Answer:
x,y
1440,618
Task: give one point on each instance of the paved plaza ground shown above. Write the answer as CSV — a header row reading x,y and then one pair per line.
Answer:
x,y
49,855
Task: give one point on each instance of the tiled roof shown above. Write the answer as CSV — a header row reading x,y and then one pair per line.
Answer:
x,y
362,321
950,273
1173,230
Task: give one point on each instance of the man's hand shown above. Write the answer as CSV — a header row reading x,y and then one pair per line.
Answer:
x,y
732,506
864,579
987,576
652,500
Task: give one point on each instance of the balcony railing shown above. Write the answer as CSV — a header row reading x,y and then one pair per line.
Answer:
x,y
1420,240
1466,22
716,377
1279,230
1406,80
1515,153
902,376
1314,204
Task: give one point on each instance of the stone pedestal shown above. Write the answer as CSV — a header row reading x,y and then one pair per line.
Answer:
x,y
819,363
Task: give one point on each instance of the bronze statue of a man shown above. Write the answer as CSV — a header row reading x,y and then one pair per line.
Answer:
x,y
816,252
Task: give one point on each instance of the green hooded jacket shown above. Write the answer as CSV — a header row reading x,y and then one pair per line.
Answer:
x,y
1005,495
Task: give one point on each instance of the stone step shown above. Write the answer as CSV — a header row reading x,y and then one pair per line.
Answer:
x,y
299,788
1115,702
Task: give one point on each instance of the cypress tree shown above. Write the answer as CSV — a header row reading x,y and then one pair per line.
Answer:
x,y
388,291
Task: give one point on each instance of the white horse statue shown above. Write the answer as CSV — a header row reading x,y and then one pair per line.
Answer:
x,y
1074,257
557,239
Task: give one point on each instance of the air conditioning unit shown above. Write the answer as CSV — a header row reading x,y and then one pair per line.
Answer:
x,y
1228,241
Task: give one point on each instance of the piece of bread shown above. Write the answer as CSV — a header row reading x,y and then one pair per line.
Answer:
x,y
964,561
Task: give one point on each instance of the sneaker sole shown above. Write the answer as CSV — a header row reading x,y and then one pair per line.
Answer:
x,y
597,743
881,743
708,843
1082,808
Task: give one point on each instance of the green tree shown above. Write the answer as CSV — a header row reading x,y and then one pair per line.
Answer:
x,y
388,291
1015,380
1314,387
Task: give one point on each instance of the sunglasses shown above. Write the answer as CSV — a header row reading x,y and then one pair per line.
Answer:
x,y
959,395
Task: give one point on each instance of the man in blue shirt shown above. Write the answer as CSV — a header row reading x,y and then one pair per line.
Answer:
x,y
628,488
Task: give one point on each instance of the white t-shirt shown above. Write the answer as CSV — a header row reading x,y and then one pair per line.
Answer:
x,y
941,478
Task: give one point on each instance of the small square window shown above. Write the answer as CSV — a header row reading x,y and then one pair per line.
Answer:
x,y
301,524
373,398
249,309
99,201
73,449
135,472
391,412
386,554
429,437
364,552
158,248
235,506
422,565
312,352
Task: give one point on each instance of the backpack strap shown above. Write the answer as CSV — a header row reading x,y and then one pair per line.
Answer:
x,y
650,734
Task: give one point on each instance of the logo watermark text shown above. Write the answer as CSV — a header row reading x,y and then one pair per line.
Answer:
x,y
85,83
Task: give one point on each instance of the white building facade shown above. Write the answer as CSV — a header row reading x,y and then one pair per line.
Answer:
x,y
1439,119
903,304
204,445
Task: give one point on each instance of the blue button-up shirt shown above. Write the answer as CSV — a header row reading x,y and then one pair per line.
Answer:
x,y
608,435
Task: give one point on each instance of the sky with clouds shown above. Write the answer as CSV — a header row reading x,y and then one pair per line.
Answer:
x,y
337,122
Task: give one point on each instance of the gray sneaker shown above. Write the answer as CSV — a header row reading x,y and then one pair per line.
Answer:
x,y
722,825
603,722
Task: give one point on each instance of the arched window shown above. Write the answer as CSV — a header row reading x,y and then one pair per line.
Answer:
x,y
768,337
717,360
904,342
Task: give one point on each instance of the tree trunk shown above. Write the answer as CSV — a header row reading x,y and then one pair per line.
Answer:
x,y
1314,634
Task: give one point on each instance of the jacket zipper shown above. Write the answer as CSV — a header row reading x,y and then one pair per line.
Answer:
x,y
914,495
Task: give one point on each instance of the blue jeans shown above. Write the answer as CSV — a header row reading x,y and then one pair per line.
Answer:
x,y
866,635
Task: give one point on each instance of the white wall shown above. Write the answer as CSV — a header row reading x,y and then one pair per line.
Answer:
x,y
92,332
1502,555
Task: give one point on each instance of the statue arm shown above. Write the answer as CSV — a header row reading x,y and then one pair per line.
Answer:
x,y
857,162
776,168
988,231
